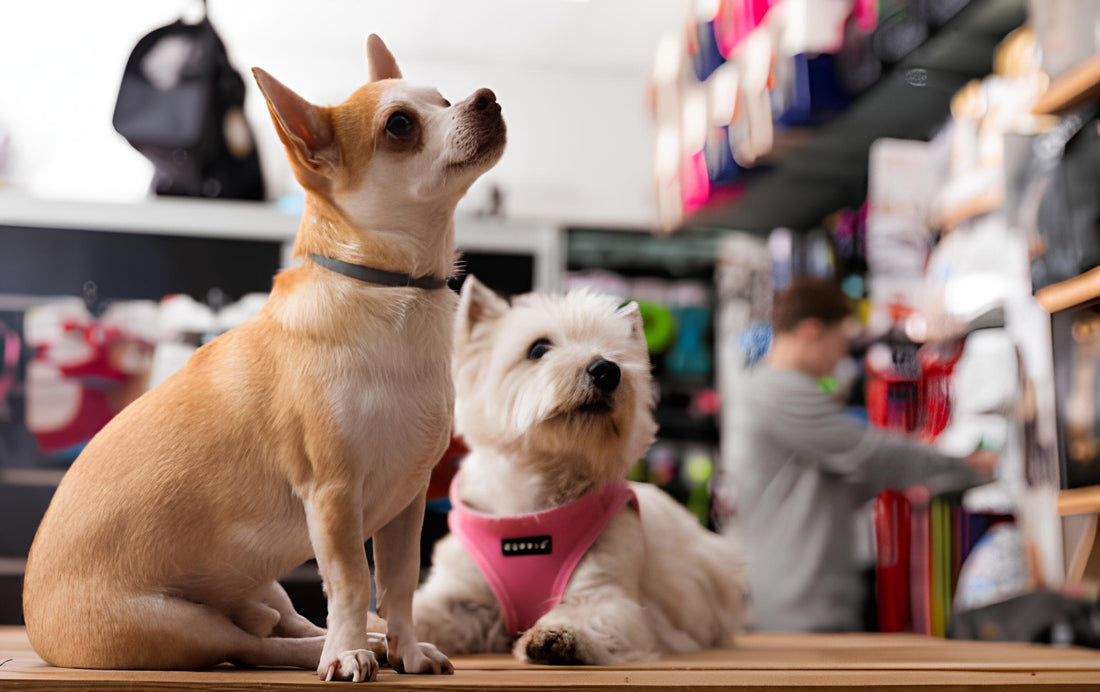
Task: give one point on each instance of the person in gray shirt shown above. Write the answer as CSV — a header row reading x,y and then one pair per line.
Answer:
x,y
804,467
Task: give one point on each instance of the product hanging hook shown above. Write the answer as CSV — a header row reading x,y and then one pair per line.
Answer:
x,y
91,296
195,12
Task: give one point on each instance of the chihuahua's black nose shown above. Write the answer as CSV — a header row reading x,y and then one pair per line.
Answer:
x,y
483,98
604,374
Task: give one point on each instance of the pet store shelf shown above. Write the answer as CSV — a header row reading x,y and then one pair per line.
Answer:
x,y
622,250
1071,292
262,221
1078,86
160,216
1079,501
815,171
12,565
45,478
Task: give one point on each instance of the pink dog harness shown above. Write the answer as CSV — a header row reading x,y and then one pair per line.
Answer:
x,y
528,558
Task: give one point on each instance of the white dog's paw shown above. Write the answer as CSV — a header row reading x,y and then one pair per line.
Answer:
x,y
358,665
554,645
424,658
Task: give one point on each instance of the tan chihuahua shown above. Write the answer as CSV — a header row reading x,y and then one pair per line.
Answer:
x,y
299,434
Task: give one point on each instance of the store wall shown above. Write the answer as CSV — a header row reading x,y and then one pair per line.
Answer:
x,y
570,76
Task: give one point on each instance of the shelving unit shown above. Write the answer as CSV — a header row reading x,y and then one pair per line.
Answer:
x,y
1079,501
1071,292
1076,87
230,219
265,222
815,171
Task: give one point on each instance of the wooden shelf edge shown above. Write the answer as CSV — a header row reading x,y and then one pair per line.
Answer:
x,y
1071,292
1071,89
1079,501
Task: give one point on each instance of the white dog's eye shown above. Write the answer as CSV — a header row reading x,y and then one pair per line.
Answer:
x,y
538,349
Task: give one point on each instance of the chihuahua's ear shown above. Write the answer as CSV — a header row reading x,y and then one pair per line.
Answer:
x,y
477,305
633,313
305,129
381,60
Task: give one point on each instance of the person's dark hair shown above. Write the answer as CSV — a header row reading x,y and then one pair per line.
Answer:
x,y
809,298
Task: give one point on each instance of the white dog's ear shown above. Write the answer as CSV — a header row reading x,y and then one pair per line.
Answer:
x,y
382,63
476,305
632,312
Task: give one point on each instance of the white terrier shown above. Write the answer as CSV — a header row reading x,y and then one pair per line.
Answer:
x,y
552,553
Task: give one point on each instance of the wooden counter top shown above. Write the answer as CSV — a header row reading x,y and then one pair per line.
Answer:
x,y
761,661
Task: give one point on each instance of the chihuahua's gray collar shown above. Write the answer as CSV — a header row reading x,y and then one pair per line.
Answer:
x,y
381,277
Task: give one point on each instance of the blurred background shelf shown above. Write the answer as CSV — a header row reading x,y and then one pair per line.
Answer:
x,y
1071,292
240,220
816,170
1078,86
155,215
153,235
1079,501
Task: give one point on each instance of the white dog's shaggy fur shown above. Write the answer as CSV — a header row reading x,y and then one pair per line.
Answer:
x,y
650,584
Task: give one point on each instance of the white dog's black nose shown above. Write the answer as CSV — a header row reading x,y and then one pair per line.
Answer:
x,y
604,374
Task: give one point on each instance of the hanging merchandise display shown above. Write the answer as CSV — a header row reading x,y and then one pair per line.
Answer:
x,y
1002,207
849,238
937,365
742,334
722,91
10,348
893,383
690,355
85,370
901,182
1077,379
702,41
719,88
16,444
181,104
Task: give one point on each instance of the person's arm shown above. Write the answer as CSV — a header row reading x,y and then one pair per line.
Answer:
x,y
822,434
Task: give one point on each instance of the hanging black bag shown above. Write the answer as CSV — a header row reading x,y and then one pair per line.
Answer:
x,y
181,104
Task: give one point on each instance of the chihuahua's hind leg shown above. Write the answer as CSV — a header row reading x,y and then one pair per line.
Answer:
x,y
291,623
158,632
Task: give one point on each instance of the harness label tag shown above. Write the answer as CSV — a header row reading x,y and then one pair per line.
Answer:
x,y
527,545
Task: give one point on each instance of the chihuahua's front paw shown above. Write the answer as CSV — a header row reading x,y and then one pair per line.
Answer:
x,y
554,646
358,665
423,658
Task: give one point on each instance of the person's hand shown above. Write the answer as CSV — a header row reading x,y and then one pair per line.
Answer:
x,y
982,462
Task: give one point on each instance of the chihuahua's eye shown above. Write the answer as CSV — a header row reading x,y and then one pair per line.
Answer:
x,y
399,125
538,349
